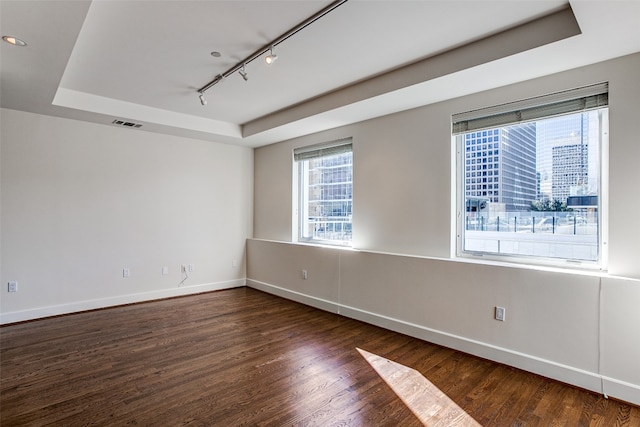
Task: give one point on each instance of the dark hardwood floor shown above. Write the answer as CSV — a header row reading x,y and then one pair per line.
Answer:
x,y
241,357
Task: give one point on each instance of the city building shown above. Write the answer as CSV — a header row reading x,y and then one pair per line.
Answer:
x,y
500,166
329,197
566,146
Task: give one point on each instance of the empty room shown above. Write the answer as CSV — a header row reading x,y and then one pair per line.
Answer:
x,y
353,212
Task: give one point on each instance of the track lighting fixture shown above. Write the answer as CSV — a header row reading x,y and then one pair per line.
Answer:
x,y
243,73
271,58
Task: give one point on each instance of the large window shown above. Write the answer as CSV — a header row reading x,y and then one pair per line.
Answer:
x,y
325,192
530,178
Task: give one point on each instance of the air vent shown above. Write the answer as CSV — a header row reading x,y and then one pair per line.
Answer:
x,y
126,124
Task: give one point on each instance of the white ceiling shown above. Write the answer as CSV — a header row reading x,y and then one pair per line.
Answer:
x,y
143,61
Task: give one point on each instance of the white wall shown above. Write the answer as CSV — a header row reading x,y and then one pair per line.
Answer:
x,y
82,201
581,328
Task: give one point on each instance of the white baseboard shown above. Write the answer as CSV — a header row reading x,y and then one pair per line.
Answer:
x,y
567,374
74,307
621,390
320,303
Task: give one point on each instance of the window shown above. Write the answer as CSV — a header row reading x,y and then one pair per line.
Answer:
x,y
549,171
325,192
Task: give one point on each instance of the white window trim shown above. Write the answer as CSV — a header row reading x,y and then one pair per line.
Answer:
x,y
306,153
510,113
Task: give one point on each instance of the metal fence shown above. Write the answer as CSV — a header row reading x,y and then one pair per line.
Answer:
x,y
330,228
583,223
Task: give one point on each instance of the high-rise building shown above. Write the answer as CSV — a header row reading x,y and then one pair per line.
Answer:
x,y
570,170
500,166
330,194
569,143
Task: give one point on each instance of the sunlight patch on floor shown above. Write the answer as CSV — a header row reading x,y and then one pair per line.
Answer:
x,y
426,401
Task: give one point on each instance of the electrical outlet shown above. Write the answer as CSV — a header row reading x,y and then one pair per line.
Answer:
x,y
126,272
191,267
13,287
500,313
165,271
304,274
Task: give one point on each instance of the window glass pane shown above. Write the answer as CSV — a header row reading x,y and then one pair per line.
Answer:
x,y
548,173
326,200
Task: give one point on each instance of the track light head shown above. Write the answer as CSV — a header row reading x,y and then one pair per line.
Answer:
x,y
202,100
244,74
271,58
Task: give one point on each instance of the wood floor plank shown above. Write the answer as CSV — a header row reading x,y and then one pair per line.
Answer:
x,y
243,357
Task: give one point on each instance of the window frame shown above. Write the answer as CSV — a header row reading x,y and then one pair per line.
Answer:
x,y
301,156
580,100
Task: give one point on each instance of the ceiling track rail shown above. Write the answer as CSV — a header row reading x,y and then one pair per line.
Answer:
x,y
272,44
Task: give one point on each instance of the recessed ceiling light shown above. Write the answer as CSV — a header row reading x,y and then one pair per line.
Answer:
x,y
216,54
14,41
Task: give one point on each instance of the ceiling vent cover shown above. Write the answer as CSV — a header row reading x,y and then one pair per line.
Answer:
x,y
126,124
